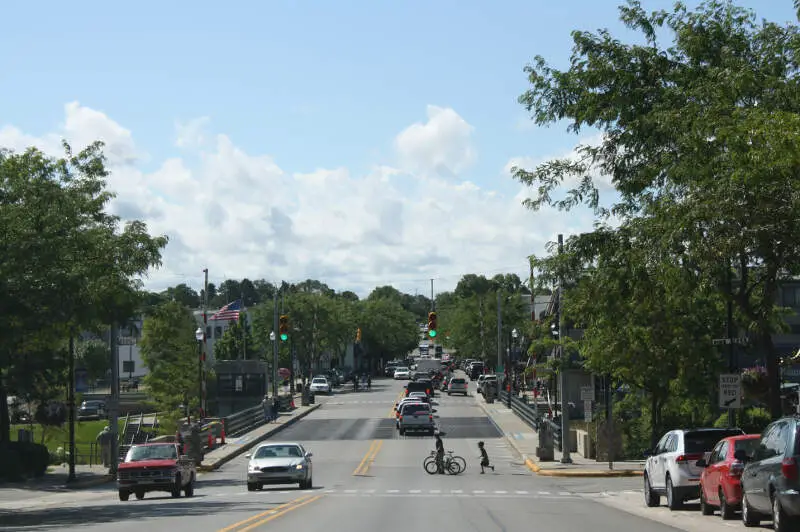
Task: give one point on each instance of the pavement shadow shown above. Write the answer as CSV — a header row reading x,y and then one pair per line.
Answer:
x,y
153,508
286,487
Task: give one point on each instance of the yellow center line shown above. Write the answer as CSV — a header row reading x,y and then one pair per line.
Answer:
x,y
263,514
280,513
366,457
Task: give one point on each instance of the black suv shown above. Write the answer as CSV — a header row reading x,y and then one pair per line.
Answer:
x,y
771,478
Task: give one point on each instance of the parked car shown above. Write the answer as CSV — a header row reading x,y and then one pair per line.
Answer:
x,y
457,385
721,480
671,468
92,409
155,467
402,373
771,478
279,463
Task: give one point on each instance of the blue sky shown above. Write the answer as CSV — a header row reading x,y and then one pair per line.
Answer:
x,y
310,85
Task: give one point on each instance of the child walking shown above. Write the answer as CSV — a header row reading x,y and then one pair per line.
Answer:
x,y
484,458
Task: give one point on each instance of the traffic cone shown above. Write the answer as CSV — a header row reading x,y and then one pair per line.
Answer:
x,y
222,435
292,405
210,441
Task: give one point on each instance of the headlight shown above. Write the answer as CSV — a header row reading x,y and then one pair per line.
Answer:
x,y
299,466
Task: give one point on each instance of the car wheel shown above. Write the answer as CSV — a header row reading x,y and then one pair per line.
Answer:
x,y
176,487
124,495
749,517
651,498
781,522
139,494
673,502
188,491
252,486
310,483
705,509
725,509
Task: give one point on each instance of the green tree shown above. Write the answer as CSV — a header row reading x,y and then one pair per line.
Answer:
x,y
169,350
66,263
95,357
388,330
700,134
236,343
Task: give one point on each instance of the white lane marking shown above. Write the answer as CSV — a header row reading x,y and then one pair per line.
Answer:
x,y
521,492
415,491
543,493
500,492
392,491
456,491
351,491
434,491
478,491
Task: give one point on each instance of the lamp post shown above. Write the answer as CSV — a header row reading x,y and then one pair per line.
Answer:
x,y
272,339
200,335
512,363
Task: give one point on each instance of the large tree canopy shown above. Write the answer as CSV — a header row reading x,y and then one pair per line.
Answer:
x,y
699,135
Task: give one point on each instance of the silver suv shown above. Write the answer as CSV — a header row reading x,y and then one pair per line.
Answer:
x,y
416,417
457,385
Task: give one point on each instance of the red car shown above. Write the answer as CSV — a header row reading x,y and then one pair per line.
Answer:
x,y
721,480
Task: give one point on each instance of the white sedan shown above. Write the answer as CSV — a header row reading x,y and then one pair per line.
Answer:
x,y
320,385
402,373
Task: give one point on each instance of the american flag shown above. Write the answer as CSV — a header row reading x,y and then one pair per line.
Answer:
x,y
229,311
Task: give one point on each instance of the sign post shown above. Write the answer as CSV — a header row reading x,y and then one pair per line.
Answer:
x,y
730,391
587,411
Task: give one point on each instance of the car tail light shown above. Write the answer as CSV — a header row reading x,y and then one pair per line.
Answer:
x,y
430,416
400,417
789,469
428,391
688,458
736,469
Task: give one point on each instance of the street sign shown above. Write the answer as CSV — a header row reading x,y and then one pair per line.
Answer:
x,y
730,390
81,380
587,411
729,341
587,393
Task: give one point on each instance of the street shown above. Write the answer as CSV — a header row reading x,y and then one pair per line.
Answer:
x,y
366,477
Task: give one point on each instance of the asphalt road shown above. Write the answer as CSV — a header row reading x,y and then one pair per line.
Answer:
x,y
366,477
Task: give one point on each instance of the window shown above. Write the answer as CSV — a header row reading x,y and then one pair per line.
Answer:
x,y
217,332
239,386
208,332
139,453
704,441
790,296
748,446
716,454
415,410
661,446
278,451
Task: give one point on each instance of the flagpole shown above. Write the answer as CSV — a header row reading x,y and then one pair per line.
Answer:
x,y
244,328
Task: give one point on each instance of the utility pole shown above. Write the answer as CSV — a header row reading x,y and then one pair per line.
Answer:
x,y
731,361
565,440
433,301
71,404
499,333
275,345
483,332
113,407
203,400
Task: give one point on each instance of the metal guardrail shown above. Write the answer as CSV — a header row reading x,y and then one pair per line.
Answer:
x,y
530,416
250,418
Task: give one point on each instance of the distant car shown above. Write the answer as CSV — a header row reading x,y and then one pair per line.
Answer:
x,y
457,385
402,373
155,467
320,385
279,463
416,417
92,409
422,397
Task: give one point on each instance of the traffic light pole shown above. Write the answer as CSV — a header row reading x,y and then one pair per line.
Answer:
x,y
565,439
275,345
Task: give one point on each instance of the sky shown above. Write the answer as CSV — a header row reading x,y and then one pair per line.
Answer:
x,y
360,143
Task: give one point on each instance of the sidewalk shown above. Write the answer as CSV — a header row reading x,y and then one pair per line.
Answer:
x,y
234,447
56,479
525,440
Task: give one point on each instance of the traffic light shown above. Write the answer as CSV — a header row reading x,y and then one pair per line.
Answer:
x,y
284,327
358,335
431,324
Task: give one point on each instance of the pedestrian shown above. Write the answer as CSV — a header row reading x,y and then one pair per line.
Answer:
x,y
484,458
369,382
439,454
104,440
265,404
275,409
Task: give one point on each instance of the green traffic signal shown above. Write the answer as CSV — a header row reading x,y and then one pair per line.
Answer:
x,y
284,337
432,333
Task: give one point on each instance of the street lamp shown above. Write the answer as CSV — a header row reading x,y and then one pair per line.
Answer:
x,y
514,335
200,335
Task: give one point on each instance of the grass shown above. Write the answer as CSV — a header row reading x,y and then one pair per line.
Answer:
x,y
86,449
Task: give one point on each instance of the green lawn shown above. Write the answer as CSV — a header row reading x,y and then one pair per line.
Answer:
x,y
54,437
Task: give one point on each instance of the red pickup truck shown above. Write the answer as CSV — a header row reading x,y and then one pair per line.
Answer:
x,y
155,467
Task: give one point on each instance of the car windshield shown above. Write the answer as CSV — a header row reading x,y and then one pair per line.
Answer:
x,y
139,453
278,451
319,380
704,441
458,381
417,394
401,369
749,446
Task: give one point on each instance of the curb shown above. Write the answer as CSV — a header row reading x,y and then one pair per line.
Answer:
x,y
89,482
249,445
575,473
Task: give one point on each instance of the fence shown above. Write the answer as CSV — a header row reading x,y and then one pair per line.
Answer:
x,y
86,453
245,420
530,416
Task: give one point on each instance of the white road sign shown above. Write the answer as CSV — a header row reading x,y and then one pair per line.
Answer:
x,y
730,391
587,393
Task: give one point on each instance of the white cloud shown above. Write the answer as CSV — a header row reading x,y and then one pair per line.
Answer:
x,y
241,215
442,145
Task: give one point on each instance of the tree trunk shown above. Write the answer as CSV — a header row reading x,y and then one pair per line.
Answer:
x,y
5,418
773,375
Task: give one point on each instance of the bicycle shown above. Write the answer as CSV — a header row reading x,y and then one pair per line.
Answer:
x,y
452,463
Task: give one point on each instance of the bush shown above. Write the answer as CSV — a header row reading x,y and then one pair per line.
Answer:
x,y
751,420
23,459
